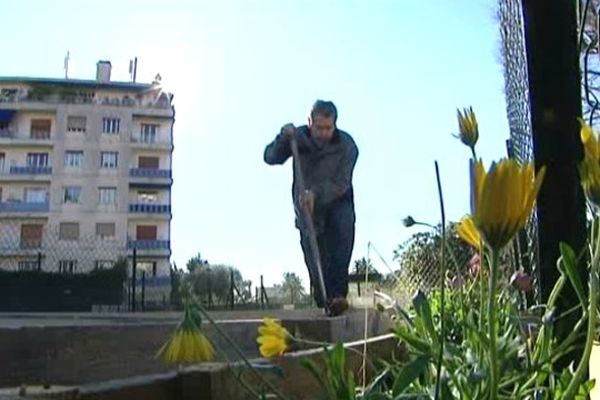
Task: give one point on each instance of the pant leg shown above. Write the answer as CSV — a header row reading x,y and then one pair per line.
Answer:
x,y
311,264
339,243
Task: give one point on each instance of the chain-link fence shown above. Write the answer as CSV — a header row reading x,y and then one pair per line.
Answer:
x,y
418,259
520,144
57,268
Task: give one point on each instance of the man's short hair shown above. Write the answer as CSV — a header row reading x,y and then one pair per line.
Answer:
x,y
325,109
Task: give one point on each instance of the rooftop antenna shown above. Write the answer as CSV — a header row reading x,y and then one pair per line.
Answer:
x,y
66,66
133,69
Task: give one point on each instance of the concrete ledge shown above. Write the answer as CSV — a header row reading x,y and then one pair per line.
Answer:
x,y
73,349
215,381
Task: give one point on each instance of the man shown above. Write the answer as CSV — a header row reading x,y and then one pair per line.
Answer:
x,y
327,156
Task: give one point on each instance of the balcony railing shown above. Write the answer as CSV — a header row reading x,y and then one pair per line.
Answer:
x,y
82,98
7,133
38,134
24,207
149,140
149,244
150,172
150,208
30,170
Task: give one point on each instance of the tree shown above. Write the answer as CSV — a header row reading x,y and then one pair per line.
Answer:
x,y
361,267
177,276
419,257
292,288
212,283
196,262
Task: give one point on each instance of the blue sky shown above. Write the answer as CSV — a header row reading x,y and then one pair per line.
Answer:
x,y
397,70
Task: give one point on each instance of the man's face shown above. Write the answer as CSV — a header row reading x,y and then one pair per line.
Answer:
x,y
321,128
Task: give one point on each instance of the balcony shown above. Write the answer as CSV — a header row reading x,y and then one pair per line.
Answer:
x,y
150,177
149,244
25,207
150,208
30,170
140,142
10,137
17,173
150,173
6,133
149,248
162,107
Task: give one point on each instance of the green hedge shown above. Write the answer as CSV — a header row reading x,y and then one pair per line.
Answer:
x,y
51,291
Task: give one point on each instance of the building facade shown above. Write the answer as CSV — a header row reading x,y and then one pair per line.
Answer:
x,y
85,173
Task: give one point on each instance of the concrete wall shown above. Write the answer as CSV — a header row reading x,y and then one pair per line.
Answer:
x,y
84,351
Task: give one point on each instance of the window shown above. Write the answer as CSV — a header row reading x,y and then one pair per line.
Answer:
x,y
108,159
105,229
110,125
148,133
107,195
73,158
148,162
67,266
36,195
72,194
148,266
104,264
145,232
31,236
68,231
40,128
76,124
29,265
147,196
37,159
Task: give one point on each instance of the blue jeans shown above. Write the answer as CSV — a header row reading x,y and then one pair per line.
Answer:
x,y
335,238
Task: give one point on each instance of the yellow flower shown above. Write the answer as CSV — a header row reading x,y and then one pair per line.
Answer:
x,y
186,346
272,338
467,127
589,168
468,232
590,142
502,199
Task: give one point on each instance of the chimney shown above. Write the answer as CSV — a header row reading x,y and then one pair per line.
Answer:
x,y
103,71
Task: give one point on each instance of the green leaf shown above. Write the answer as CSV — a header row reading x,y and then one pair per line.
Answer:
x,y
569,261
423,309
409,373
413,340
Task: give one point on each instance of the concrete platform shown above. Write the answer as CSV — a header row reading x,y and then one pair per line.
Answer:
x,y
72,349
216,381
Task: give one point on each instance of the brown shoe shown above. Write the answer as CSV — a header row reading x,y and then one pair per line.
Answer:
x,y
337,306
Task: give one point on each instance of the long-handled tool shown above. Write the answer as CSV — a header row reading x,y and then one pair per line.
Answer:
x,y
308,221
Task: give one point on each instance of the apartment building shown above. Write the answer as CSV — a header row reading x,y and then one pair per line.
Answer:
x,y
85,173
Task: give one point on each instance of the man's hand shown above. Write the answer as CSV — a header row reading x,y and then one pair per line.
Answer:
x,y
288,130
307,200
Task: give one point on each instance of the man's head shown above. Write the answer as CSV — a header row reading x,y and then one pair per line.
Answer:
x,y
322,120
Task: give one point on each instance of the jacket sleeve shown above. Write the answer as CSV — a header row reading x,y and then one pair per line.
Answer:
x,y
331,189
278,151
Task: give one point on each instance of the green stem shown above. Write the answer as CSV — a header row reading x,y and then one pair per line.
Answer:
x,y
473,153
493,351
235,347
438,381
482,258
582,367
